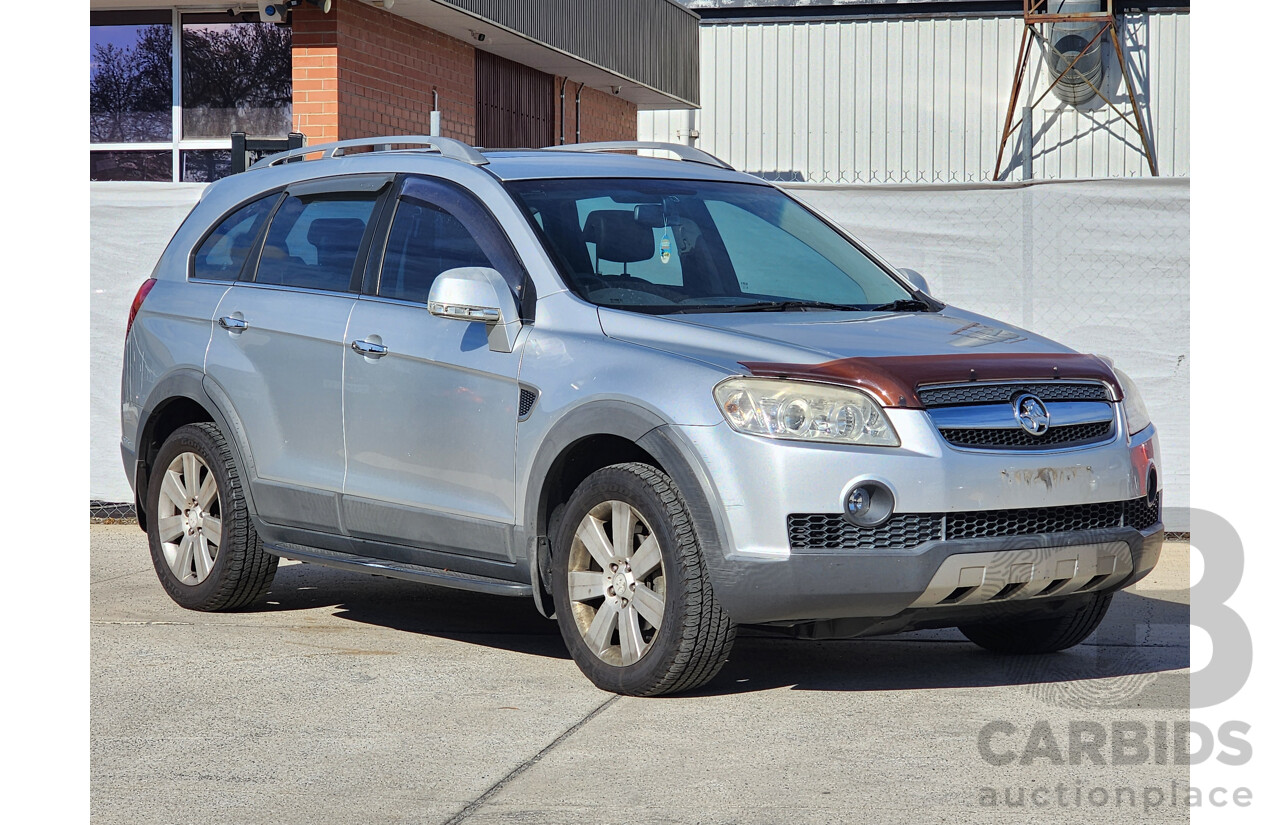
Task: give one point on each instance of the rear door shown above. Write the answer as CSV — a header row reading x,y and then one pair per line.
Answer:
x,y
276,352
430,423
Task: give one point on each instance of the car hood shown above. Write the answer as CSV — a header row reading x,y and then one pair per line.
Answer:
x,y
728,339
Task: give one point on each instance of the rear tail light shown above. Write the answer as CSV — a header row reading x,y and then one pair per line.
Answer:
x,y
137,303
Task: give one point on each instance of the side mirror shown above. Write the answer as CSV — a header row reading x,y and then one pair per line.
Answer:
x,y
477,294
915,279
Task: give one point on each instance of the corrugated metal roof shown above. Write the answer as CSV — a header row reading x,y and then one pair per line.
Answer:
x,y
894,6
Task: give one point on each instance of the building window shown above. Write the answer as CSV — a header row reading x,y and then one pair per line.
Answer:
x,y
163,105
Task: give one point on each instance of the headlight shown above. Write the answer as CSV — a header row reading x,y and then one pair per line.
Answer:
x,y
1135,412
776,408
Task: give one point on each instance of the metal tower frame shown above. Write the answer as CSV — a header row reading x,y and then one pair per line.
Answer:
x,y
1034,13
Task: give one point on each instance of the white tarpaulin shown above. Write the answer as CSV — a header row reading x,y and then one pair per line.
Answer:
x,y
129,226
1103,266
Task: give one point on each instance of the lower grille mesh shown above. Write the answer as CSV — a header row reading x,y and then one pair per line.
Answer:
x,y
830,531
982,524
819,531
1142,514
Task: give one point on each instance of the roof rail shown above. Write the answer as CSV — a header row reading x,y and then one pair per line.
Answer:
x,y
680,150
447,147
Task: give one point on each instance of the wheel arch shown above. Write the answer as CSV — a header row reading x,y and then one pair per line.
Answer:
x,y
180,398
596,436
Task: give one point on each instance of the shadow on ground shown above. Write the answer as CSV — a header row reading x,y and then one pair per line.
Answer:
x,y
1141,638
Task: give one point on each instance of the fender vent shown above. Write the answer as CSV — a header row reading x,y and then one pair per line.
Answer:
x,y
528,398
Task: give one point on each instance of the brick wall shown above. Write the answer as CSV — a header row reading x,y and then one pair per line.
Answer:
x,y
315,74
361,71
604,116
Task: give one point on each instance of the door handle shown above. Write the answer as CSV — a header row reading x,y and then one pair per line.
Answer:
x,y
231,323
369,349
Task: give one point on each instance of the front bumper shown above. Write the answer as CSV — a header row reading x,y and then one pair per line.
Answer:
x,y
809,587
756,484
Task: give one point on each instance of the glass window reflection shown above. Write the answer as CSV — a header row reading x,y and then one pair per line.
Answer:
x,y
130,77
236,77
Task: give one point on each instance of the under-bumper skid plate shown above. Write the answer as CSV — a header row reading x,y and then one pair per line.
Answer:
x,y
1013,575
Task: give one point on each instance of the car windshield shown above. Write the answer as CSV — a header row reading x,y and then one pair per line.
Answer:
x,y
670,246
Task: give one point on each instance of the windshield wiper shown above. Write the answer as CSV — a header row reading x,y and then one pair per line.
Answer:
x,y
768,306
904,305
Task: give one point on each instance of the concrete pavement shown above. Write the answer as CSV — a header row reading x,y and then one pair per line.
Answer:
x,y
351,698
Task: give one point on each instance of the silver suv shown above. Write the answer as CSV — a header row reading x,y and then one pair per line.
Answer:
x,y
659,397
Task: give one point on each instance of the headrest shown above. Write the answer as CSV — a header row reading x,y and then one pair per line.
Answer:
x,y
326,233
617,236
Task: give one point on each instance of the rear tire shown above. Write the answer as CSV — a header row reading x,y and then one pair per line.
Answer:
x,y
1041,635
203,545
636,609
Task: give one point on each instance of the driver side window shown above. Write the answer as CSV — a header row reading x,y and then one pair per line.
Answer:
x,y
423,242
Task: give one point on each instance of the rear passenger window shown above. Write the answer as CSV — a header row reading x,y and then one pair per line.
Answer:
x,y
221,255
313,241
424,241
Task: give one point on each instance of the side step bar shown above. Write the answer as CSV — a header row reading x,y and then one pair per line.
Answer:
x,y
400,570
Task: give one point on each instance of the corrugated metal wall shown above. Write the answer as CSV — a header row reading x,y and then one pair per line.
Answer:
x,y
651,41
513,103
921,100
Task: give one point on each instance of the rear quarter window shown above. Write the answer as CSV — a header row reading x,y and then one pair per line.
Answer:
x,y
221,255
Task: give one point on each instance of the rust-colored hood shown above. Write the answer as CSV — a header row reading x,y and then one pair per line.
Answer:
x,y
893,379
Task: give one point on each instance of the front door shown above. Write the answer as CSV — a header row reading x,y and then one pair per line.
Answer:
x,y
430,422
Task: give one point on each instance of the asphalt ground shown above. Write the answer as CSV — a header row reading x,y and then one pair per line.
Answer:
x,y
347,698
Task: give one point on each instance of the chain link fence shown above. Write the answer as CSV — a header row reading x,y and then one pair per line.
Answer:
x,y
1102,266
111,512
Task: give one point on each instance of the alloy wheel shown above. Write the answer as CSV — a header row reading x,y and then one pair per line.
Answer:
x,y
189,518
617,583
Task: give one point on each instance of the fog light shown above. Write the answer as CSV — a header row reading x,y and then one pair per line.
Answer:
x,y
1152,490
869,504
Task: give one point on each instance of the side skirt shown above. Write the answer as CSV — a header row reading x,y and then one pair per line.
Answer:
x,y
399,570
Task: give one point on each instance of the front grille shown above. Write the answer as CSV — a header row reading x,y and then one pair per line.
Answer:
x,y
1003,393
830,531
820,531
1016,438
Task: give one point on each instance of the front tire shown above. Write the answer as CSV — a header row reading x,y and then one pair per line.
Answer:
x,y
632,595
1041,635
203,546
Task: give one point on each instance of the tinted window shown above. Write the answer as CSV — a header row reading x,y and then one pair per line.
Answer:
x,y
221,255
690,246
313,242
236,77
148,166
130,78
476,240
424,241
